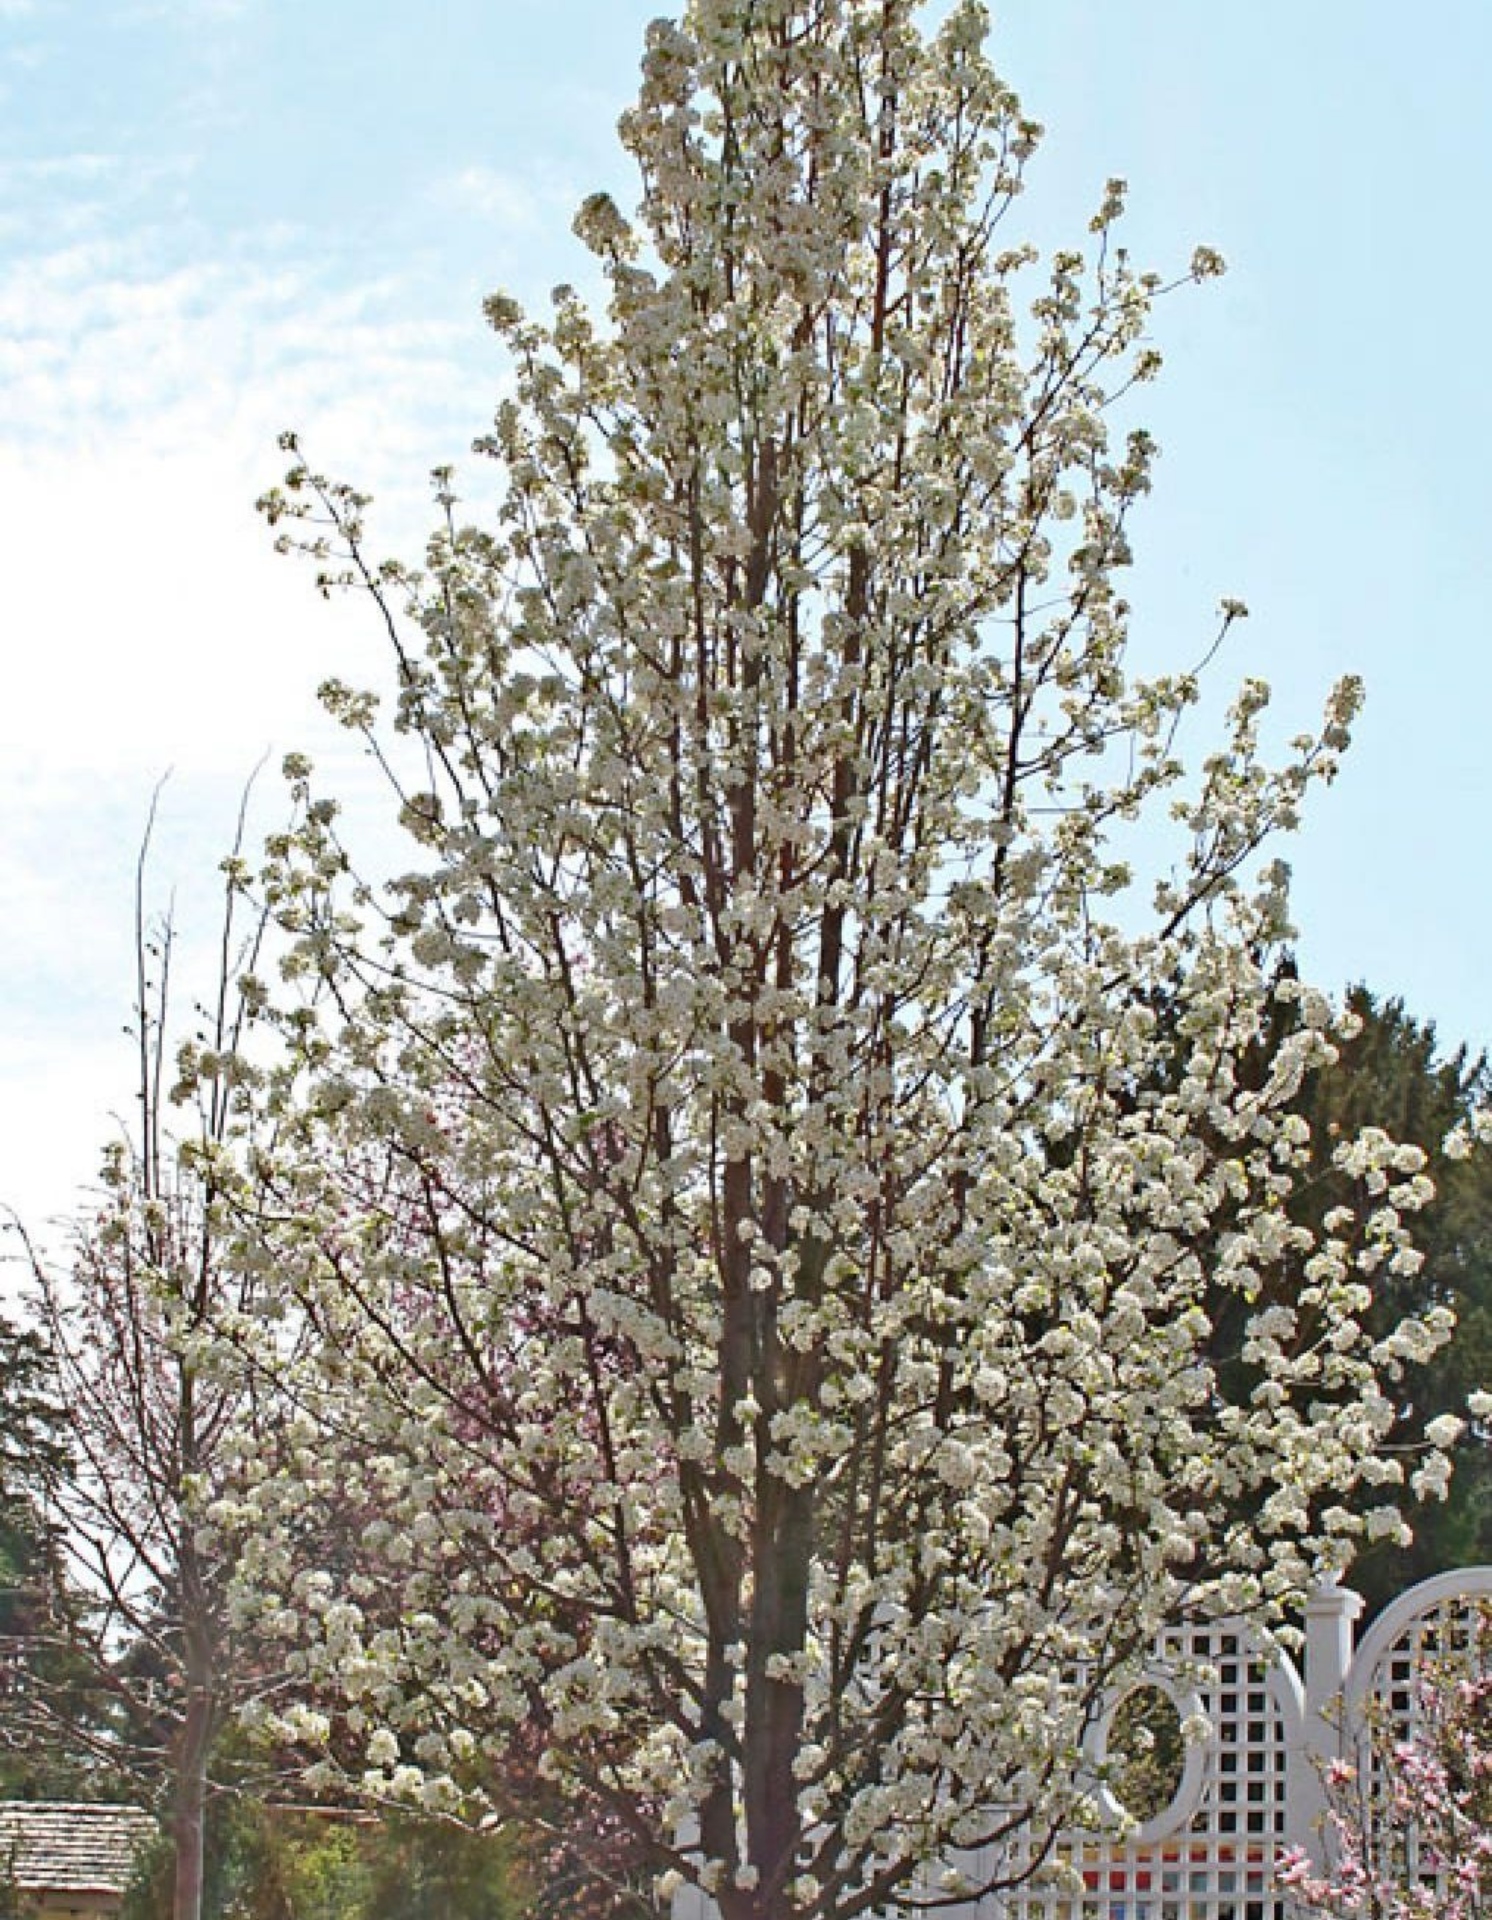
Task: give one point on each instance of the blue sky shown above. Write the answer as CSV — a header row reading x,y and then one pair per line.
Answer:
x,y
222,217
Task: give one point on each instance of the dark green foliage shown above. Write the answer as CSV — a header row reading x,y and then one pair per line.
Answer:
x,y
1146,1751
421,1871
272,1863
33,1455
149,1893
33,1443
1392,1075
52,1721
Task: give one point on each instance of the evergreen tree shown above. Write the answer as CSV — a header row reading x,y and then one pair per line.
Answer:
x,y
1391,1070
54,1724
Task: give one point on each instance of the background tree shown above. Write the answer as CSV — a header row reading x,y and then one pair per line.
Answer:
x,y
755,1270
53,1724
1391,1071
272,1860
153,1414
148,1321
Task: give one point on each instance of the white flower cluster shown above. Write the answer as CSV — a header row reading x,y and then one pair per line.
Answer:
x,y
798,1274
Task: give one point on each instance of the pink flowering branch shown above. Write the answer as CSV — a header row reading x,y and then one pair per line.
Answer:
x,y
1409,1826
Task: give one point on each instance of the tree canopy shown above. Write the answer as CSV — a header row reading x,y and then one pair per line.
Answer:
x,y
732,1229
50,1716
1390,1070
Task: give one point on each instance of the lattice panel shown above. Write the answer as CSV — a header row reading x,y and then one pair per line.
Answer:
x,y
1442,1625
1443,1632
1253,1786
1210,1855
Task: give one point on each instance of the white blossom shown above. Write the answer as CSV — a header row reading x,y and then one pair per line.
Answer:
x,y
804,1283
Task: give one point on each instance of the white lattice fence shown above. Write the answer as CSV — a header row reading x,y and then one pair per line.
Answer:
x,y
1440,1625
1254,1785
1209,1854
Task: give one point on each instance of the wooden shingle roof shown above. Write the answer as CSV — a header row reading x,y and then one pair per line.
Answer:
x,y
60,1846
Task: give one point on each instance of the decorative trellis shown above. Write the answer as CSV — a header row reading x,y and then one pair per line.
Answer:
x,y
1254,1786
1208,1854
1383,1699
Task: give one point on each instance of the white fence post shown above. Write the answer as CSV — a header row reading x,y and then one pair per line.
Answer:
x,y
1330,1615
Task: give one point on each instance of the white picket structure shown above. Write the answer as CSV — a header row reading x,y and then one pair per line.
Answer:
x,y
1254,1785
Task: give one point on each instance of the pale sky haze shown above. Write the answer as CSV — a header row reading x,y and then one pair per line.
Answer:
x,y
219,218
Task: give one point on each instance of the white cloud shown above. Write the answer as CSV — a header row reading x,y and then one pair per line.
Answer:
x,y
190,12
514,202
106,336
52,202
138,422
54,1127
147,622
66,168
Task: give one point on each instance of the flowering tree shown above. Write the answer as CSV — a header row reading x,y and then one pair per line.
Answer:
x,y
744,1208
1410,1823
154,1422
1390,1069
1387,1069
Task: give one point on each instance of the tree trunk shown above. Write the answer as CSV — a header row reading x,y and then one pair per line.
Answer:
x,y
194,1744
189,1806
